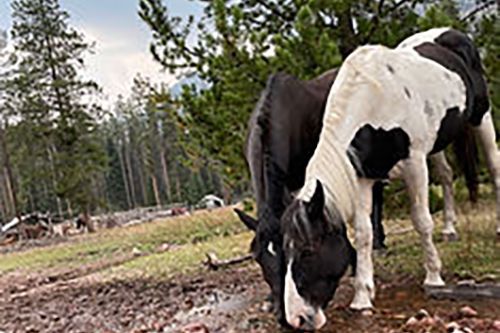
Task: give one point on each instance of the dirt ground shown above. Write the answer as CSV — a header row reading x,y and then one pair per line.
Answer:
x,y
132,280
230,300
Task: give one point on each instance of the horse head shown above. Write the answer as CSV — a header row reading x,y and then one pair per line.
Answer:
x,y
317,255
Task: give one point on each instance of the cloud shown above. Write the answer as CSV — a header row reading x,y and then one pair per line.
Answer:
x,y
117,58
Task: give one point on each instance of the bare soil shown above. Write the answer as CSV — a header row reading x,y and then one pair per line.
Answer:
x,y
230,300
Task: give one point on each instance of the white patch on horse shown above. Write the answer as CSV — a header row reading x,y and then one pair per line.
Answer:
x,y
296,307
270,249
383,105
486,133
428,36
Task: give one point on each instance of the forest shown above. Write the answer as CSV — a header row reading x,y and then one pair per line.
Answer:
x,y
62,151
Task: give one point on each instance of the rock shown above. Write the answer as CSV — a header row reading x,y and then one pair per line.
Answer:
x,y
495,326
428,321
194,328
412,321
266,307
421,314
367,313
136,252
454,327
467,311
164,247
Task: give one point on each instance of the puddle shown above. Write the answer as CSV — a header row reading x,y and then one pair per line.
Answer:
x,y
217,309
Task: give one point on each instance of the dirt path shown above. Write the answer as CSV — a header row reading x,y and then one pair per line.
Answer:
x,y
225,301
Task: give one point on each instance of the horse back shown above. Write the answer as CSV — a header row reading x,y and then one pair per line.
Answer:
x,y
434,44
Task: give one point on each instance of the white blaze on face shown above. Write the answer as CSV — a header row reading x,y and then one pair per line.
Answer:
x,y
270,249
299,314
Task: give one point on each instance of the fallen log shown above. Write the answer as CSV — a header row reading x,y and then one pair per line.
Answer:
x,y
465,291
214,263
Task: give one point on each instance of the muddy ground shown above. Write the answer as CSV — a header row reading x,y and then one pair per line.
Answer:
x,y
230,300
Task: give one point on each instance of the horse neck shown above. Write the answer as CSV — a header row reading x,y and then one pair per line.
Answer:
x,y
332,167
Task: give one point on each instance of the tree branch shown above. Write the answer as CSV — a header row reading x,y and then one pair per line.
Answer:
x,y
478,9
215,263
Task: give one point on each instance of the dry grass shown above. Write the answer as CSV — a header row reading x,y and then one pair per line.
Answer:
x,y
200,227
475,255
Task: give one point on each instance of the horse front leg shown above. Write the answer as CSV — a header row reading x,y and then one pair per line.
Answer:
x,y
486,133
364,287
445,174
415,176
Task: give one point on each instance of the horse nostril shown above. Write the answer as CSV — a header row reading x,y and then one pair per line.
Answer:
x,y
302,321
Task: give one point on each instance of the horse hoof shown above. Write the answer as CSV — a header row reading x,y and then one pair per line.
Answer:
x,y
434,282
361,307
450,238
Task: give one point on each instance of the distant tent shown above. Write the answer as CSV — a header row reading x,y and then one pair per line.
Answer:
x,y
211,201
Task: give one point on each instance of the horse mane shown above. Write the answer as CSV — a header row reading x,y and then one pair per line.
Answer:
x,y
330,163
267,176
259,127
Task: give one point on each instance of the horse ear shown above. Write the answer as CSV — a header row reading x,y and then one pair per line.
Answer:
x,y
249,221
317,203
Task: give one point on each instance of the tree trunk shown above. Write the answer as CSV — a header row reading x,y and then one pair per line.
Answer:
x,y
69,209
178,184
50,151
7,204
9,179
155,190
130,176
165,176
3,212
124,177
140,172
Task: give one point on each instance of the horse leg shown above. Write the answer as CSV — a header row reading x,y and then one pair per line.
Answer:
x,y
486,133
364,288
376,216
416,179
445,174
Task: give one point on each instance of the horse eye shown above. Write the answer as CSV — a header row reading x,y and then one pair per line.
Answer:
x,y
307,253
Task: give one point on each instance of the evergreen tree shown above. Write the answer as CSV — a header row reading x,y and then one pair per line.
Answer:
x,y
61,153
240,43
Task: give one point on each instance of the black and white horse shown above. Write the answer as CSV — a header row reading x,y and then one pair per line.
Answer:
x,y
283,132
387,110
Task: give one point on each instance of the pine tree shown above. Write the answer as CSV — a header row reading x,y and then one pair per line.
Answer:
x,y
54,105
239,44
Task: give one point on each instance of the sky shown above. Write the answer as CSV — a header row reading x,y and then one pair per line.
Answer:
x,y
122,40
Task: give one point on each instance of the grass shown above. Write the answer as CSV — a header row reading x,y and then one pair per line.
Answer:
x,y
185,259
200,227
475,255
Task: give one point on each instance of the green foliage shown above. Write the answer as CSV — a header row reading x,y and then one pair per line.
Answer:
x,y
53,139
238,44
487,36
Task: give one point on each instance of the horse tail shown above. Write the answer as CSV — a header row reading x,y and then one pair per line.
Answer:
x,y
466,152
